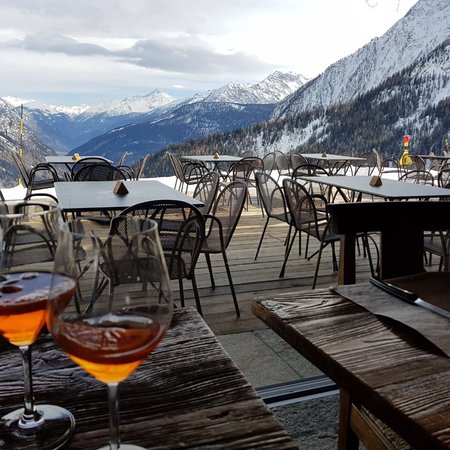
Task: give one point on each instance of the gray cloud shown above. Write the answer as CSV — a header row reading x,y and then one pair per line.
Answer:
x,y
55,43
169,56
189,59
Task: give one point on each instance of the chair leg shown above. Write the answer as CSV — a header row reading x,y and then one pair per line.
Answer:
x,y
262,237
316,273
230,281
180,284
286,255
196,296
211,275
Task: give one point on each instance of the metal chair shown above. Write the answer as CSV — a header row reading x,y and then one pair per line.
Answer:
x,y
297,159
418,177
206,190
83,162
220,226
273,202
283,164
41,176
306,217
181,230
269,163
99,172
186,174
141,168
244,170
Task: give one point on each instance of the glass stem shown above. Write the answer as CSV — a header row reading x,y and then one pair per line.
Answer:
x,y
29,416
113,405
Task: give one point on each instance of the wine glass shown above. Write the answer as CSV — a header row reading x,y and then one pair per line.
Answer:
x,y
130,305
28,243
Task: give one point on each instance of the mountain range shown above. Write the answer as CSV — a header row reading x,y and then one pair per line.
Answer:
x,y
396,84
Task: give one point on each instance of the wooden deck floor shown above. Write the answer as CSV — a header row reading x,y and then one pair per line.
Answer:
x,y
258,279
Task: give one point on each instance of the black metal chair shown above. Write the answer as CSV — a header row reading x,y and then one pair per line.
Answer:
x,y
273,202
220,226
244,170
206,190
186,174
181,231
83,162
99,172
41,176
306,217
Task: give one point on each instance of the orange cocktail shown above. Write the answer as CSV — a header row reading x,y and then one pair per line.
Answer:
x,y
23,303
109,346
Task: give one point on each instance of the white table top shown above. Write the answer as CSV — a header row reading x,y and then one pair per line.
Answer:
x,y
67,159
78,196
210,158
331,157
390,189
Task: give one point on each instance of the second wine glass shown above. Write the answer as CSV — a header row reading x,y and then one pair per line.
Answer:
x,y
130,305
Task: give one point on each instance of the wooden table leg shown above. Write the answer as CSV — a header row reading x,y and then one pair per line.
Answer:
x,y
348,440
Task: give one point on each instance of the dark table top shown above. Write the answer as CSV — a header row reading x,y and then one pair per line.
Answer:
x,y
389,189
81,196
186,394
385,366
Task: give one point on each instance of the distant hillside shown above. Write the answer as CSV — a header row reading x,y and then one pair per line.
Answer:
x,y
414,101
186,122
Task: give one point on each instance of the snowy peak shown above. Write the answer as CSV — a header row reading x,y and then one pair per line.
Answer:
x,y
423,28
51,109
272,89
279,85
137,104
232,93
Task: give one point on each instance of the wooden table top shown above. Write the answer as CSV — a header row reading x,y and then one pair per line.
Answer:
x,y
187,394
387,368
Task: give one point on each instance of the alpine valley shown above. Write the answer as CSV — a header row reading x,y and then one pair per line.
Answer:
x,y
396,84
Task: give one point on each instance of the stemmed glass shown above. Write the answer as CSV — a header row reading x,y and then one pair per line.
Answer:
x,y
130,308
28,242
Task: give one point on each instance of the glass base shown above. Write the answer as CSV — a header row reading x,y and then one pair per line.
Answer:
x,y
125,447
52,430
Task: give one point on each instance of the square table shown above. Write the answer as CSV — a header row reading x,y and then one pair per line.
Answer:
x,y
187,393
389,189
80,196
68,161
210,159
331,157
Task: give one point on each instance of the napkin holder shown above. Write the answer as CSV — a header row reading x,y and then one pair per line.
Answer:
x,y
120,188
76,156
375,181
216,156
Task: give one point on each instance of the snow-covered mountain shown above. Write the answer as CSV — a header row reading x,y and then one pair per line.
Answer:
x,y
139,104
11,141
44,107
423,28
272,89
65,129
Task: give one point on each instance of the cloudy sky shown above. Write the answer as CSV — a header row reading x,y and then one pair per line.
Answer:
x,y
75,52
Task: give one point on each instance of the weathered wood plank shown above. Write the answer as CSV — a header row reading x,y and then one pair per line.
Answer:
x,y
186,394
401,381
